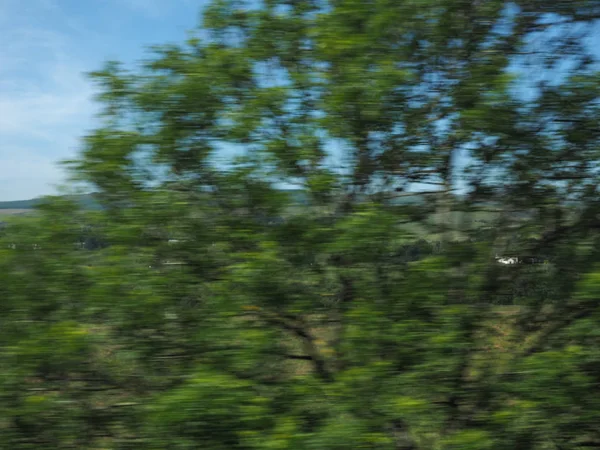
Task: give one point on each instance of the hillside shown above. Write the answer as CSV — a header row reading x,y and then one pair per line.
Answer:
x,y
20,206
88,201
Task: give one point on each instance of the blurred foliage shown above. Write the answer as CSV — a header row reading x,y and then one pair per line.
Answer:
x,y
209,306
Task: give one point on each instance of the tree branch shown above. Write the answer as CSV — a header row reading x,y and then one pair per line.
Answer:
x,y
307,338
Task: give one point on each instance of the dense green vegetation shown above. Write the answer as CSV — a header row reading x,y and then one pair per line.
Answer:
x,y
352,318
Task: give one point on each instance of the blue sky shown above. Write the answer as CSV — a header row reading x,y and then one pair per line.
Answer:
x,y
46,102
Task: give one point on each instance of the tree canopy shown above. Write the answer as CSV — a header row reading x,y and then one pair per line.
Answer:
x,y
218,311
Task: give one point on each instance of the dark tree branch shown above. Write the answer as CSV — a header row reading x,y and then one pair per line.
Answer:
x,y
308,339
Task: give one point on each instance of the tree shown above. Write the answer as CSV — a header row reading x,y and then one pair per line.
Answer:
x,y
319,330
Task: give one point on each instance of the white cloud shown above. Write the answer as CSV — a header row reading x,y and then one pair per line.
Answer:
x,y
26,174
29,109
45,101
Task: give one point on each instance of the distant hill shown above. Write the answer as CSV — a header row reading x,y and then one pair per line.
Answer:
x,y
19,204
87,201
